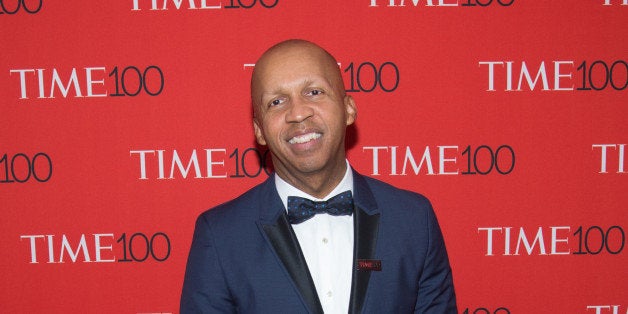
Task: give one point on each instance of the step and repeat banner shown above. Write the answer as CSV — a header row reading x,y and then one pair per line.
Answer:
x,y
123,120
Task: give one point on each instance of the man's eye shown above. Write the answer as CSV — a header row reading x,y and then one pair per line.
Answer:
x,y
316,92
276,102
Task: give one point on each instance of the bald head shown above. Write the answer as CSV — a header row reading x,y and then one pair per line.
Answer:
x,y
289,55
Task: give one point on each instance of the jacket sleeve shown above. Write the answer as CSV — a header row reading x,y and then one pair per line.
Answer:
x,y
204,287
436,289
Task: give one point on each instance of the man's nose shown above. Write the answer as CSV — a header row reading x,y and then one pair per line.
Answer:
x,y
299,110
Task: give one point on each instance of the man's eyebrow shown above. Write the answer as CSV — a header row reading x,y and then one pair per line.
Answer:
x,y
282,89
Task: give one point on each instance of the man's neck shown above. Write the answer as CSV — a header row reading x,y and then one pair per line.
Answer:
x,y
318,184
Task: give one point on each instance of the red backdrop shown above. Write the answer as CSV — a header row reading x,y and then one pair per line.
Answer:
x,y
123,120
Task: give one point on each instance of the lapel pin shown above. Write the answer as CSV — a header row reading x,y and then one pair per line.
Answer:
x,y
370,264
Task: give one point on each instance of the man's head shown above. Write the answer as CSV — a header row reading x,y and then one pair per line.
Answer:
x,y
301,110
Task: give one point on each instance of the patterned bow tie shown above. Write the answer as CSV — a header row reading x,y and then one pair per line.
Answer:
x,y
301,209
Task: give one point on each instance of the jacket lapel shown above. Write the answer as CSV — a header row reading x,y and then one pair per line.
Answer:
x,y
279,235
365,228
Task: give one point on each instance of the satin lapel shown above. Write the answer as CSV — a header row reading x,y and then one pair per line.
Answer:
x,y
286,246
365,229
365,233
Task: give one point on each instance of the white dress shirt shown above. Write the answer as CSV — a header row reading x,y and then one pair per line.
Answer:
x,y
327,245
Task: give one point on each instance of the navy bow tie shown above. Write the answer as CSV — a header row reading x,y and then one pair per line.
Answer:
x,y
301,209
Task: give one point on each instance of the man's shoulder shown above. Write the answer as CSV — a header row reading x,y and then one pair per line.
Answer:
x,y
242,208
386,193
404,211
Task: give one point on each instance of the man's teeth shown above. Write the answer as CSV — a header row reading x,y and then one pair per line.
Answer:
x,y
304,138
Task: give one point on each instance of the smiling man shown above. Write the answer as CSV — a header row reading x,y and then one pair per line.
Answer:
x,y
316,237
301,113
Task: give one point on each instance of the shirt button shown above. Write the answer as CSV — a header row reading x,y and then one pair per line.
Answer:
x,y
329,294
325,240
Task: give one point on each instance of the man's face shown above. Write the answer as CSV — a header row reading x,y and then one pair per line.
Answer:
x,y
301,110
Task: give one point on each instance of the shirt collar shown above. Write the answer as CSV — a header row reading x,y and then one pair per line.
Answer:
x,y
285,189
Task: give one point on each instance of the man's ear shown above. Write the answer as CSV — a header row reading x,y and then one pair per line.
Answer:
x,y
259,136
351,109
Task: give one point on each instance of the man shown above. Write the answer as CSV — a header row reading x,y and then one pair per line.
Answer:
x,y
380,251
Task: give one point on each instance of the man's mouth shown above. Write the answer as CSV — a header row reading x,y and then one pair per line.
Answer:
x,y
304,138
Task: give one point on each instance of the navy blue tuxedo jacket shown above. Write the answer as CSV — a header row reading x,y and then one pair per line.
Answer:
x,y
245,257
